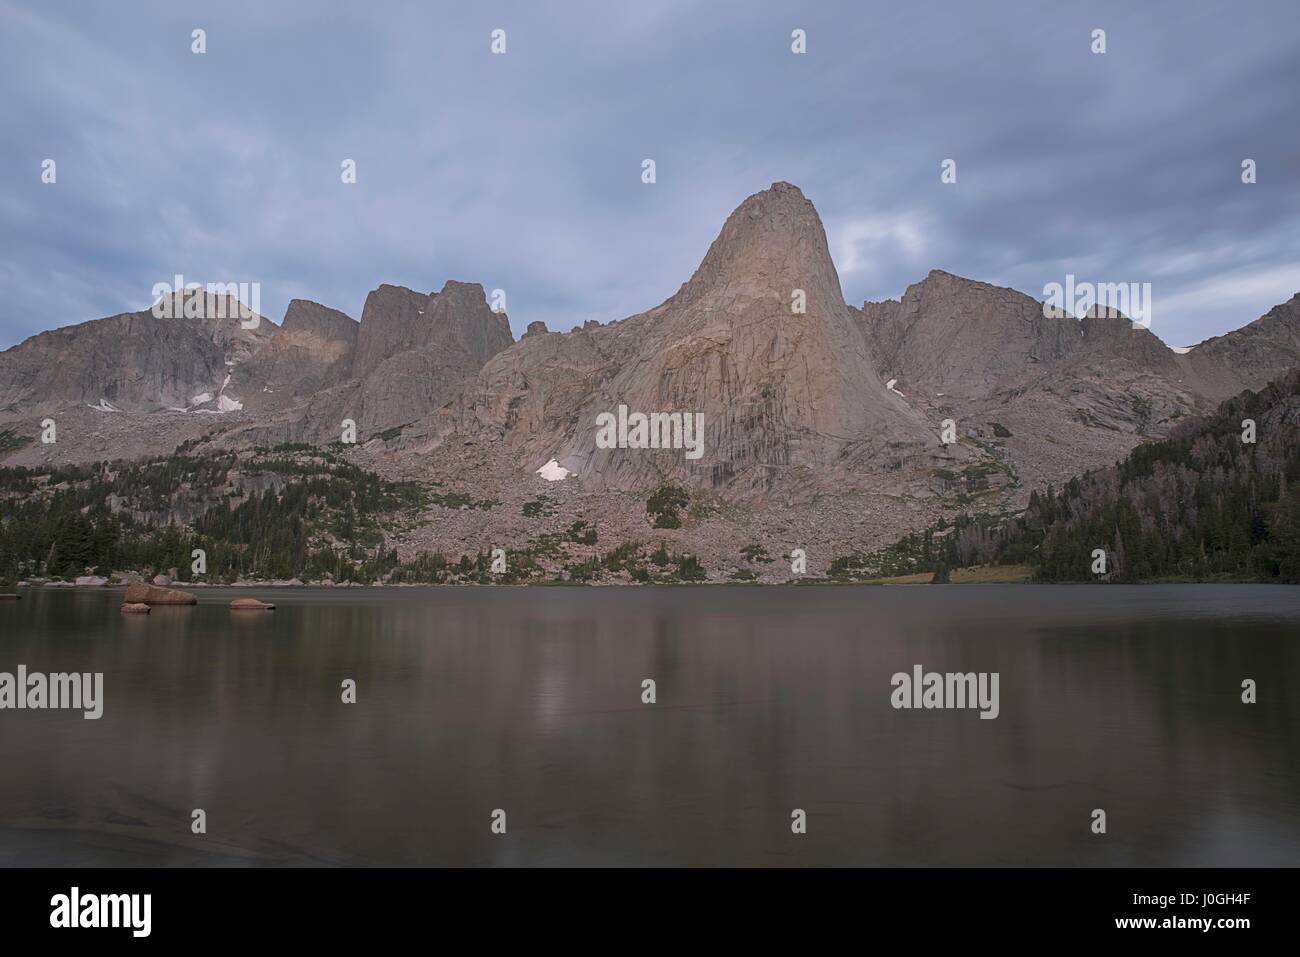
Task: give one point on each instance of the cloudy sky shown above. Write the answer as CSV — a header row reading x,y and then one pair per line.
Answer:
x,y
523,171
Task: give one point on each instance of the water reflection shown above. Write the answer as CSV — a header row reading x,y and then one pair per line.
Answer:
x,y
529,700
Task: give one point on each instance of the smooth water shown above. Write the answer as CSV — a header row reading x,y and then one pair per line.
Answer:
x,y
470,700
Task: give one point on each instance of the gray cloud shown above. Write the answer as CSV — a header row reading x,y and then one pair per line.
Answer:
x,y
523,171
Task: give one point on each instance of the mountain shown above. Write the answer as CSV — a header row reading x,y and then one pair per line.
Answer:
x,y
311,353
409,355
820,424
176,380
134,362
1253,354
788,395
1059,395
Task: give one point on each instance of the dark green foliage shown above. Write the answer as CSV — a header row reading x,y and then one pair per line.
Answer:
x,y
11,441
689,569
1000,430
583,571
1201,504
541,507
664,505
624,557
287,513
459,500
580,533
1142,412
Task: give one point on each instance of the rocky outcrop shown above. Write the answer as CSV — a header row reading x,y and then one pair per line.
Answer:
x,y
312,352
455,324
131,362
204,379
1248,357
1073,392
759,342
961,338
155,595
251,604
411,353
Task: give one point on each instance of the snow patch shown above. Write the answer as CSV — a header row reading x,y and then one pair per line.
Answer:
x,y
890,386
201,398
553,471
224,384
1182,350
226,404
104,406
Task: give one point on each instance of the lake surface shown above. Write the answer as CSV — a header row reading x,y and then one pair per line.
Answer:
x,y
470,700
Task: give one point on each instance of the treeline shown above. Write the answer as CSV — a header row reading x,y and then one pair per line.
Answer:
x,y
317,516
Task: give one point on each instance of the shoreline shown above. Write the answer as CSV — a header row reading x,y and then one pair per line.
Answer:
x,y
897,582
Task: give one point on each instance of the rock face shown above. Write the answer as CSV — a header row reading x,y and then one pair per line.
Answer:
x,y
296,382
759,342
410,354
135,608
1074,393
959,337
455,324
1248,357
131,362
311,353
154,595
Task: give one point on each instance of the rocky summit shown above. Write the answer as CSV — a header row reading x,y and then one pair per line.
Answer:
x,y
822,425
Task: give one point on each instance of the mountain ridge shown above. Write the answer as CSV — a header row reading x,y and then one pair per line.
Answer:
x,y
803,396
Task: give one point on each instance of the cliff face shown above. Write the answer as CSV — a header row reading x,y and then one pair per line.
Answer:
x,y
294,382
133,361
1059,396
759,342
